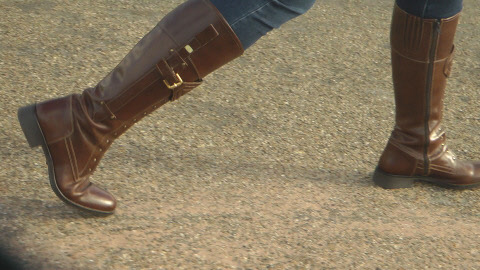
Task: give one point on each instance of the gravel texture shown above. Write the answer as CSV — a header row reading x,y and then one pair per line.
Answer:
x,y
267,165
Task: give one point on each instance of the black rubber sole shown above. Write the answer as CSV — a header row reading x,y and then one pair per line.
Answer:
x,y
392,181
33,133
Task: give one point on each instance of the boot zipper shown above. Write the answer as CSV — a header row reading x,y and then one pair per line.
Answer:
x,y
428,90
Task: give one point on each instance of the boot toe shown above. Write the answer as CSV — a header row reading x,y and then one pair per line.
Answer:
x,y
97,199
88,196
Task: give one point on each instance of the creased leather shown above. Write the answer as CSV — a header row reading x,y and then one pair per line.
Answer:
x,y
412,42
191,41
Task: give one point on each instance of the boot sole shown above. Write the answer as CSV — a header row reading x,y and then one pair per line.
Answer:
x,y
33,133
392,181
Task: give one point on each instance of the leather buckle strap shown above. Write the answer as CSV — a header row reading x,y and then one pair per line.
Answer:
x,y
183,89
178,56
177,86
200,40
174,85
168,67
171,79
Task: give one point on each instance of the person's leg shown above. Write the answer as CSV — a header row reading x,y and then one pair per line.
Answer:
x,y
252,19
75,131
431,9
422,53
190,42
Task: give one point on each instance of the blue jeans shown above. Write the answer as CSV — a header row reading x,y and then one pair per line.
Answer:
x,y
252,19
431,9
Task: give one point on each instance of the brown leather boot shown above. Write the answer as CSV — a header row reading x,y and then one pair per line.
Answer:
x,y
422,52
75,131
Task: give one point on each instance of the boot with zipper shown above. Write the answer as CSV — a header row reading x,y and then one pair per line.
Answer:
x,y
75,131
422,54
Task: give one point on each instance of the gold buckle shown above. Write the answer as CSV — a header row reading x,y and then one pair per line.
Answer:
x,y
175,85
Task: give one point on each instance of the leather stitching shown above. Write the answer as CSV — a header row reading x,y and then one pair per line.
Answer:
x,y
70,159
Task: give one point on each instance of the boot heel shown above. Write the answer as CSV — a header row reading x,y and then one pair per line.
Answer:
x,y
390,181
28,122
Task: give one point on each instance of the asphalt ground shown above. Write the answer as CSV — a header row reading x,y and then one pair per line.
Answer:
x,y
267,165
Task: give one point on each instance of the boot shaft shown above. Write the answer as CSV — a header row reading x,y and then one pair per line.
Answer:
x,y
188,44
422,53
75,131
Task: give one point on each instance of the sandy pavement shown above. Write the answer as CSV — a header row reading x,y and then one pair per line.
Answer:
x,y
267,165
